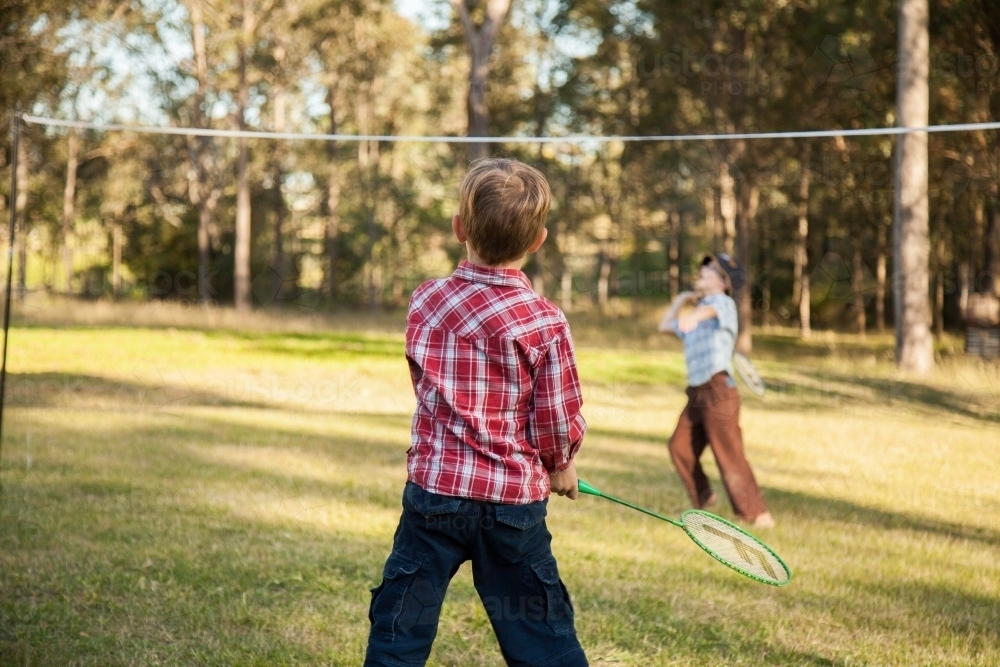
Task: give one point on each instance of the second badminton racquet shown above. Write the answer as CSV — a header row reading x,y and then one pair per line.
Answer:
x,y
751,378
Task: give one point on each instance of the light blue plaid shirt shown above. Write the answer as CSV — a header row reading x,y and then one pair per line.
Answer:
x,y
709,348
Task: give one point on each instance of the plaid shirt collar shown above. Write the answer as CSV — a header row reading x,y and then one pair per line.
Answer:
x,y
476,273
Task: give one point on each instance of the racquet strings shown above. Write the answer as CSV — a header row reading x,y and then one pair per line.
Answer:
x,y
735,548
751,378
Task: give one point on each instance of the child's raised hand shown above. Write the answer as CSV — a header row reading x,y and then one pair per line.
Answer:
x,y
688,322
686,296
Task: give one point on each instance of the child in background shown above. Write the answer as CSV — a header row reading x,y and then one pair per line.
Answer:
x,y
712,414
496,428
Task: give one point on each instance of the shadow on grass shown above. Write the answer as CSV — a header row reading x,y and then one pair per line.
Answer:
x,y
872,395
325,345
150,394
130,562
788,348
656,487
182,586
793,505
50,389
117,552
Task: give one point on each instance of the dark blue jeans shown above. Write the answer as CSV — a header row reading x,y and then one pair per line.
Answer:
x,y
512,567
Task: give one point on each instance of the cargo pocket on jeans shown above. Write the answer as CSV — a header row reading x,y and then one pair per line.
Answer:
x,y
389,597
428,504
521,517
558,607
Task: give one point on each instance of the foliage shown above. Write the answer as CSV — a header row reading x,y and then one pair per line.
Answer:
x,y
629,219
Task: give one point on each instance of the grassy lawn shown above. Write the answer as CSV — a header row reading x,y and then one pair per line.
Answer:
x,y
206,496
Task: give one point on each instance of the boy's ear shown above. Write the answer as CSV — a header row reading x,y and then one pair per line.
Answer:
x,y
542,235
456,226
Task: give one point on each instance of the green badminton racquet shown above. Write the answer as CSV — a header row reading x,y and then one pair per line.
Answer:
x,y
749,375
725,542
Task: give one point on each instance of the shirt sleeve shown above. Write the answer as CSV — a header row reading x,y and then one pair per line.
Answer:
x,y
676,329
556,425
725,312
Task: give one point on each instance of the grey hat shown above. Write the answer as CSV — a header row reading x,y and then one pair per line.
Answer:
x,y
734,276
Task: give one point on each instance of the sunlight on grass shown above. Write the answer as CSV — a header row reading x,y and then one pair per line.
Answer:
x,y
199,496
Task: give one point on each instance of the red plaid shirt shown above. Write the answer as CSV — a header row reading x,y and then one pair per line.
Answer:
x,y
498,397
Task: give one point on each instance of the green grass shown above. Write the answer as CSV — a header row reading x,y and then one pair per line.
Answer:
x,y
198,496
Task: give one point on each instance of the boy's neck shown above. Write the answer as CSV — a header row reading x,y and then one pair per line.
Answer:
x,y
473,258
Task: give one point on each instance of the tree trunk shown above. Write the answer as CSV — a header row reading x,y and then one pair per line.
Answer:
x,y
397,266
332,200
940,261
800,286
204,251
674,252
241,267
800,255
538,277
116,255
880,280
939,305
69,207
857,280
977,241
566,289
711,224
480,44
765,280
727,207
604,273
963,289
368,165
276,168
914,345
805,325
638,246
373,187
200,191
21,206
748,205
479,114
991,250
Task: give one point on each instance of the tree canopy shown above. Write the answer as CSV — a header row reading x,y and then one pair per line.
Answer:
x,y
325,225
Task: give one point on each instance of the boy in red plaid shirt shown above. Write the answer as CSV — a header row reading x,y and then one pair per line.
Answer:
x,y
496,428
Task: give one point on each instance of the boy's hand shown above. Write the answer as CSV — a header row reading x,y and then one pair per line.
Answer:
x,y
679,302
686,296
688,322
564,482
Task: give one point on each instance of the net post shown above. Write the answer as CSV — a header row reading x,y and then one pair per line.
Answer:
x,y
15,141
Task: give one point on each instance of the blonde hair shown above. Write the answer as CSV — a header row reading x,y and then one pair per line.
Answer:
x,y
502,205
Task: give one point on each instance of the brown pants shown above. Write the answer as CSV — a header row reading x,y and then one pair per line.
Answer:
x,y
712,416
